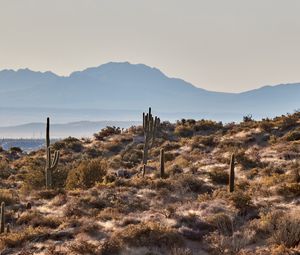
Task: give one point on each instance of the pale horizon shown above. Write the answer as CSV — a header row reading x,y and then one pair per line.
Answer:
x,y
231,46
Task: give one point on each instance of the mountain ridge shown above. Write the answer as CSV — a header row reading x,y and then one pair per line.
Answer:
x,y
74,73
121,85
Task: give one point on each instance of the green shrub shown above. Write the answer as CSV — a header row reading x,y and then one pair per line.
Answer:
x,y
86,174
34,177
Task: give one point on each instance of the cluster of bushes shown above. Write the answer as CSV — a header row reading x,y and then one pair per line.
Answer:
x,y
106,132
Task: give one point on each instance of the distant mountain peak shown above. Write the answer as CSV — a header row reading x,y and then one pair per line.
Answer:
x,y
119,68
123,85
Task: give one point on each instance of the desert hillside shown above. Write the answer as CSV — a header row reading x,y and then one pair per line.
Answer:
x,y
104,200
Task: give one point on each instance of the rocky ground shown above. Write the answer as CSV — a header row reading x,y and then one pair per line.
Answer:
x,y
101,204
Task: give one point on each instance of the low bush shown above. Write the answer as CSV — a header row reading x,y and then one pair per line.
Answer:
x,y
86,174
292,136
142,235
106,132
287,230
219,176
184,131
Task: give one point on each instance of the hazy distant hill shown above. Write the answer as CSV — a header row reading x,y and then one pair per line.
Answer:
x,y
29,96
76,129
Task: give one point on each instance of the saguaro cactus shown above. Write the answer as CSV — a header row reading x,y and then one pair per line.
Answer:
x,y
162,163
51,165
2,219
150,126
231,174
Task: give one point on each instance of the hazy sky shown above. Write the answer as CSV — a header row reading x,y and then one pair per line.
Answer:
x,y
222,45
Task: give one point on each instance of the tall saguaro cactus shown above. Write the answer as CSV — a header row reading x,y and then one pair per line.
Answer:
x,y
2,218
162,163
150,126
51,165
231,174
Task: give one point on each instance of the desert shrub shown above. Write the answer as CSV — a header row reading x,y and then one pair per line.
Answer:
x,y
247,118
289,189
288,121
106,132
168,146
5,170
207,125
287,230
230,144
200,141
142,235
70,143
241,200
182,161
36,219
109,178
70,139
245,161
266,125
192,227
114,146
8,197
222,222
219,176
230,244
293,135
86,174
183,131
133,156
59,145
174,170
48,193
34,177
75,146
169,156
15,150
110,213
93,152
83,247
18,238
193,184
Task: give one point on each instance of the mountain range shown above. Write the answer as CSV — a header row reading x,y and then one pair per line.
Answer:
x,y
121,91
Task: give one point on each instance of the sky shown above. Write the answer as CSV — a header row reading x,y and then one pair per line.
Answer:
x,y
230,46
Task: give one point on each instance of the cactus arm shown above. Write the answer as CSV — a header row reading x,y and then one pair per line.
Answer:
x,y
51,165
48,133
55,161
